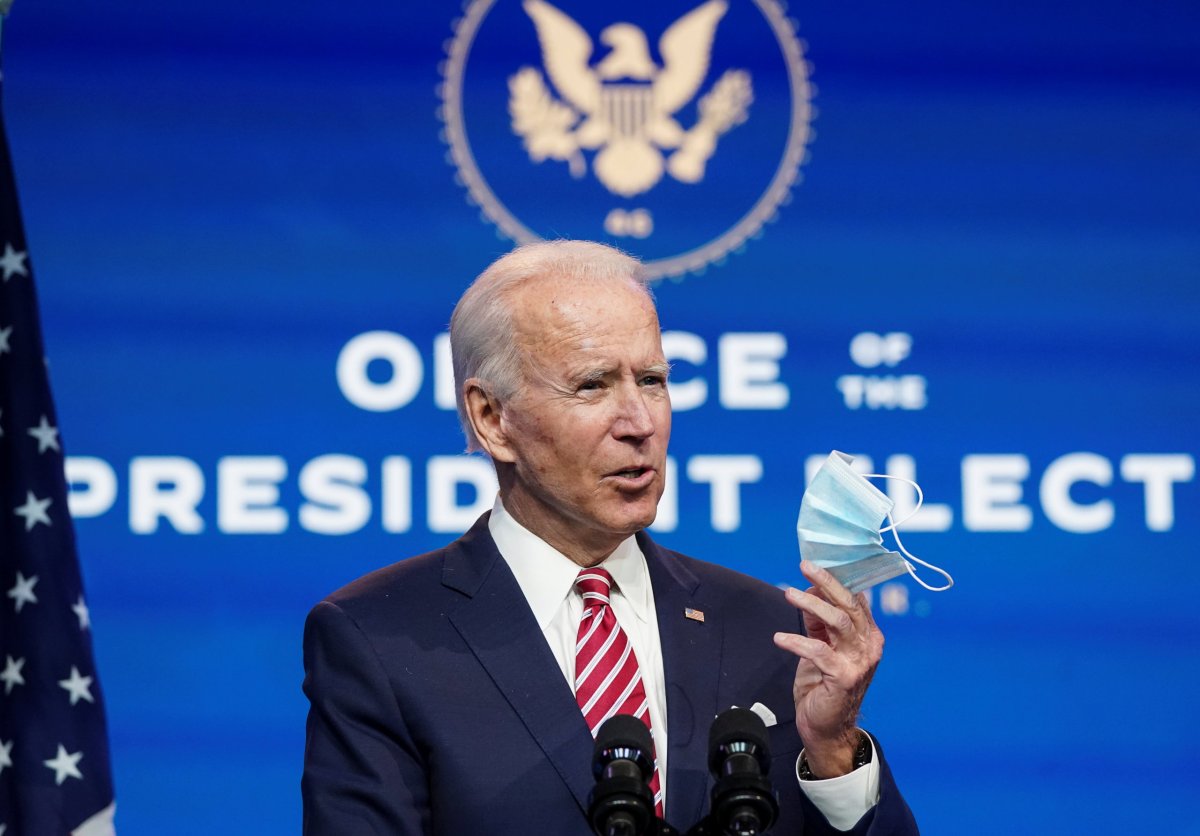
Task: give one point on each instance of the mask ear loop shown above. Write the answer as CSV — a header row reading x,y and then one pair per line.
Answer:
x,y
894,528
913,512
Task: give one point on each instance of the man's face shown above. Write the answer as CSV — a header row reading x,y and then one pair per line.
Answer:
x,y
588,430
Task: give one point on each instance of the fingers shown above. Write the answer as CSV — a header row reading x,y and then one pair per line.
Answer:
x,y
830,602
822,656
829,586
837,622
838,657
865,604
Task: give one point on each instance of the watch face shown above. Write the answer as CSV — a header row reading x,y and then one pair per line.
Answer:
x,y
862,757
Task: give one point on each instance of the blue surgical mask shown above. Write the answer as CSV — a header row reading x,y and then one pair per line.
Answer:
x,y
839,528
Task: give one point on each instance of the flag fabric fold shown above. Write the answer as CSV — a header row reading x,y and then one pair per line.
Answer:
x,y
55,775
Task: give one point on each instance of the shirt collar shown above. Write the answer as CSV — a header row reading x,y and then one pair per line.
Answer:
x,y
546,576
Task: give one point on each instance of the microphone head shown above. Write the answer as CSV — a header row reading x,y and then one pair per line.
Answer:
x,y
739,759
623,736
738,730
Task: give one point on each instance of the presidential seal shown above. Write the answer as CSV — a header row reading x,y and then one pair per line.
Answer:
x,y
672,130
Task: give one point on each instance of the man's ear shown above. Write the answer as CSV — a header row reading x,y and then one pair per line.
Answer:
x,y
486,414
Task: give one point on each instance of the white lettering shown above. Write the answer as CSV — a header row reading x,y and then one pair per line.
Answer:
x,y
444,395
681,345
931,516
992,493
726,474
445,474
394,349
1055,492
397,494
749,370
1159,473
247,493
905,391
336,496
165,486
667,518
93,486
869,349
336,504
852,388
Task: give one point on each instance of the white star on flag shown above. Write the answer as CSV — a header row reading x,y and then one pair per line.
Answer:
x,y
46,435
38,642
13,263
81,610
34,510
11,675
22,592
65,765
79,687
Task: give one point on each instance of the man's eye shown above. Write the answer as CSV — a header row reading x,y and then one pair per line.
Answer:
x,y
589,386
654,380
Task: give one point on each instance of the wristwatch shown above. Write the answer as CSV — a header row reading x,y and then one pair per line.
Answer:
x,y
862,757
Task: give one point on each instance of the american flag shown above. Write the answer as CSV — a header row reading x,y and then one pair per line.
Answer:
x,y
54,764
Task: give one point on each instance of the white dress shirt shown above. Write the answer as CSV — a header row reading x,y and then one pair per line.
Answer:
x,y
547,579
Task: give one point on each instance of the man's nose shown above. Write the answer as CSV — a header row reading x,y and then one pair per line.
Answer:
x,y
634,419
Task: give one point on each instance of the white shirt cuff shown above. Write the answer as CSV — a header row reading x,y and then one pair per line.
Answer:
x,y
845,799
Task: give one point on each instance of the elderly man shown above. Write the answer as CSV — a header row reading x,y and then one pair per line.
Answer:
x,y
458,692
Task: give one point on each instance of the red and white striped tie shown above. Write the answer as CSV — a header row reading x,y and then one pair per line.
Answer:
x,y
607,679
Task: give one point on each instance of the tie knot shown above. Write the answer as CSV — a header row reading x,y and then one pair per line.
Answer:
x,y
593,585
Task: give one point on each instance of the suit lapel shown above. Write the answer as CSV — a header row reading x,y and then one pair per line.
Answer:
x,y
691,652
496,623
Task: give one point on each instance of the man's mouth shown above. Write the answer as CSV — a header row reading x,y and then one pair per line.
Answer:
x,y
634,476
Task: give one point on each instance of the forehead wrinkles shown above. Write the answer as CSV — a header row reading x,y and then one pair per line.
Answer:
x,y
554,318
543,323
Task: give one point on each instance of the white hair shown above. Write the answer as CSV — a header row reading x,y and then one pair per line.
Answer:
x,y
482,331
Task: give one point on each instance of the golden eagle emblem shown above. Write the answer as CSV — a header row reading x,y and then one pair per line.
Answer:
x,y
624,106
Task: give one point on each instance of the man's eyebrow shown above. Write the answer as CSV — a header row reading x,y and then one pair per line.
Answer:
x,y
597,374
592,375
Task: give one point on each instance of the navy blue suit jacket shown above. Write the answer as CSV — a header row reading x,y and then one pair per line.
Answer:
x,y
438,708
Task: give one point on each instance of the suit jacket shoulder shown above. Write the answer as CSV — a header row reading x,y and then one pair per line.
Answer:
x,y
437,706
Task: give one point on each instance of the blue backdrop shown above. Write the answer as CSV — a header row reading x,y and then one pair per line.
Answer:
x,y
986,272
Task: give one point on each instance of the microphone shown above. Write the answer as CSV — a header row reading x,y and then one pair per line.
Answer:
x,y
739,759
621,803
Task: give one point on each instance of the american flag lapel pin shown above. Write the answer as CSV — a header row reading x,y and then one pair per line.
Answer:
x,y
694,615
